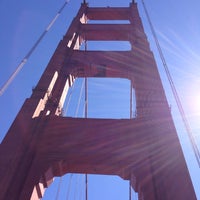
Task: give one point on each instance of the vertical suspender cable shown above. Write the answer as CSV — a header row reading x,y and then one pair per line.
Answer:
x,y
178,102
86,115
86,187
25,59
86,90
69,186
131,116
131,100
79,99
86,97
68,101
58,190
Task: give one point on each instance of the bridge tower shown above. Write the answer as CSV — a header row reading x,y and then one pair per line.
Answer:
x,y
42,144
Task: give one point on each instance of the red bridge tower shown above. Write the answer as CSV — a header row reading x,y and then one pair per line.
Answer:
x,y
42,144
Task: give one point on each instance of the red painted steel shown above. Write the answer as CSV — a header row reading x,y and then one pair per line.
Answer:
x,y
42,144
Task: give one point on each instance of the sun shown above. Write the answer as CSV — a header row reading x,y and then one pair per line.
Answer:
x,y
195,102
193,99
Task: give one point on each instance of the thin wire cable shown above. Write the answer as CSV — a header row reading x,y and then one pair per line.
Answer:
x,y
86,115
130,191
131,100
25,59
75,187
86,186
80,187
86,97
173,88
58,189
69,99
69,187
79,99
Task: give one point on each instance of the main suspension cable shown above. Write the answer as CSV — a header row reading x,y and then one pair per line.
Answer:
x,y
173,88
25,59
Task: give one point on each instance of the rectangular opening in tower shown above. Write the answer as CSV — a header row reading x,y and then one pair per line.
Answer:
x,y
109,98
106,46
99,186
106,35
108,22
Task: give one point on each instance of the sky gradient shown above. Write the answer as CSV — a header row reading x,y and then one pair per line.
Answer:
x,y
177,27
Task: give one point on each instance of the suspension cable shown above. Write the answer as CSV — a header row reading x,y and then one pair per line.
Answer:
x,y
69,186
79,99
173,88
25,59
130,190
86,186
86,115
69,99
86,97
131,99
58,189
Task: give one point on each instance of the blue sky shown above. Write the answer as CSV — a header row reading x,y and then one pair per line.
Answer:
x,y
178,29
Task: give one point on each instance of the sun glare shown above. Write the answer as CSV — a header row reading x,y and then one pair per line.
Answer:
x,y
193,100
